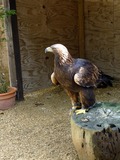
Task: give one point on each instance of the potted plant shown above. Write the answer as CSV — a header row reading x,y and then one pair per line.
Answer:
x,y
7,93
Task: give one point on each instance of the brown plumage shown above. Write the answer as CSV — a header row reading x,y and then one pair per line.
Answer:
x,y
78,77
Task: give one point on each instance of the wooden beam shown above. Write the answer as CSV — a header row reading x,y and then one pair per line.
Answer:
x,y
81,28
16,48
10,47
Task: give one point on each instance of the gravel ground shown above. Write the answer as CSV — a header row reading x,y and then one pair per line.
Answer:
x,y
39,127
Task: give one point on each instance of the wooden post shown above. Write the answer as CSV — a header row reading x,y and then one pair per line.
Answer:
x,y
96,134
14,47
11,57
81,28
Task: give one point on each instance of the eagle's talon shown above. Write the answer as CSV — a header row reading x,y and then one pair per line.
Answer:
x,y
81,111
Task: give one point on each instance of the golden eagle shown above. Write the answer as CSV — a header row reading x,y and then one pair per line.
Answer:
x,y
78,77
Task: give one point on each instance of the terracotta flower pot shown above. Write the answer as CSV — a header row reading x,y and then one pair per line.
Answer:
x,y
7,99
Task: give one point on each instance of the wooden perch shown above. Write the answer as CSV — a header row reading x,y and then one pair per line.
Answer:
x,y
96,134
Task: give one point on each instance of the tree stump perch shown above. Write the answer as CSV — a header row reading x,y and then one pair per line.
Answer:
x,y
96,134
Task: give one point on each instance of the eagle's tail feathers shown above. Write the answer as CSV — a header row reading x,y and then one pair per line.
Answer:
x,y
105,81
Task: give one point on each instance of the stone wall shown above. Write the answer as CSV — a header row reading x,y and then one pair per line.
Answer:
x,y
3,49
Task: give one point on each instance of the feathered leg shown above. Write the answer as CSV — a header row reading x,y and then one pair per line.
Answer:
x,y
87,98
74,96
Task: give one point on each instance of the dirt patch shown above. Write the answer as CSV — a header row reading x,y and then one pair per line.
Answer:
x,y
39,127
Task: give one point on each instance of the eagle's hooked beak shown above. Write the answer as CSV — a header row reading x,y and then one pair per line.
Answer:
x,y
48,49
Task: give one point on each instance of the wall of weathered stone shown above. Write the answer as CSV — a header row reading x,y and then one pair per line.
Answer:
x,y
3,49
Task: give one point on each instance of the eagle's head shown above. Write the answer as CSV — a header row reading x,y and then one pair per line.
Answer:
x,y
57,49
61,53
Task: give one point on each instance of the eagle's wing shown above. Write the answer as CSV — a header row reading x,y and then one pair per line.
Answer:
x,y
87,75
